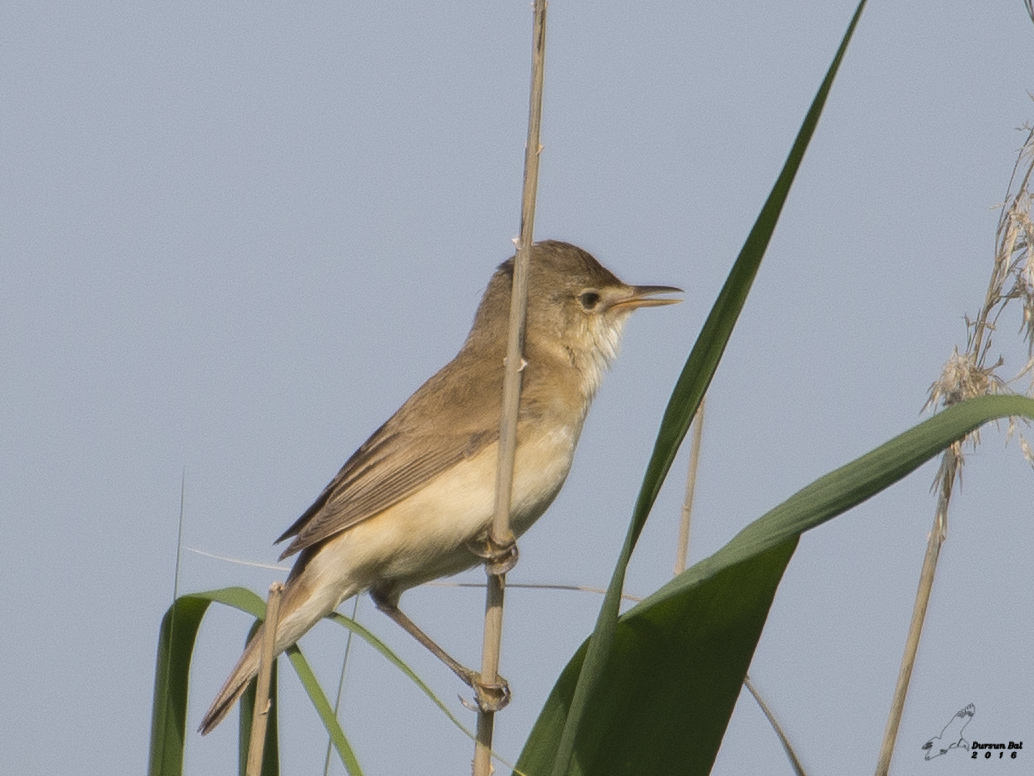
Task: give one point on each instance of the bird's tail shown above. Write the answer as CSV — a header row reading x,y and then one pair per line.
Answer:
x,y
304,603
235,686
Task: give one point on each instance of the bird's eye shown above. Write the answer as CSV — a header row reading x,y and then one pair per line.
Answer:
x,y
589,300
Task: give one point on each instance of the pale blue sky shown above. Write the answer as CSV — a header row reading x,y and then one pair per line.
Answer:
x,y
234,238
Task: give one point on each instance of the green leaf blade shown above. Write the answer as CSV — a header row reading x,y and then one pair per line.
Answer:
x,y
689,391
671,678
176,640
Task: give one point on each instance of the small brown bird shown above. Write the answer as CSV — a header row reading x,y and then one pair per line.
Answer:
x,y
415,502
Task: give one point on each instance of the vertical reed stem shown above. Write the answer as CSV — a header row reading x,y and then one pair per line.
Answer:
x,y
257,742
691,484
938,534
501,534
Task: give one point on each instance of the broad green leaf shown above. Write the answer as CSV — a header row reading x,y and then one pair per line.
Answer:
x,y
671,681
850,485
172,673
689,390
680,656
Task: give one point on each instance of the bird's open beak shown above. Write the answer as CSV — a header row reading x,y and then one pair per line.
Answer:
x,y
642,296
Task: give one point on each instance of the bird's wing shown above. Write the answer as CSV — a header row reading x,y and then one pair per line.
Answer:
x,y
442,424
953,730
380,474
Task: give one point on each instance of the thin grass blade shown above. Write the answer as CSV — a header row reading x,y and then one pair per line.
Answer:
x,y
325,710
395,660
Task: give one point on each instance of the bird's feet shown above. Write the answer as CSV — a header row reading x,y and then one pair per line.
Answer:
x,y
499,557
487,697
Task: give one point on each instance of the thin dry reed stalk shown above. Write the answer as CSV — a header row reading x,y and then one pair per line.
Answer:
x,y
257,742
974,373
682,550
501,536
341,683
795,763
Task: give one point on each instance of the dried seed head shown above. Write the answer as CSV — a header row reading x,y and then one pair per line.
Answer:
x,y
970,374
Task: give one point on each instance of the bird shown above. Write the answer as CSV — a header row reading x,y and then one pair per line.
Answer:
x,y
951,737
415,502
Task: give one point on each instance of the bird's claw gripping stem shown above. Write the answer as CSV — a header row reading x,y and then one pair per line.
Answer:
x,y
487,697
499,557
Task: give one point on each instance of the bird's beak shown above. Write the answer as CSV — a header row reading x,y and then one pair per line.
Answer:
x,y
642,296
